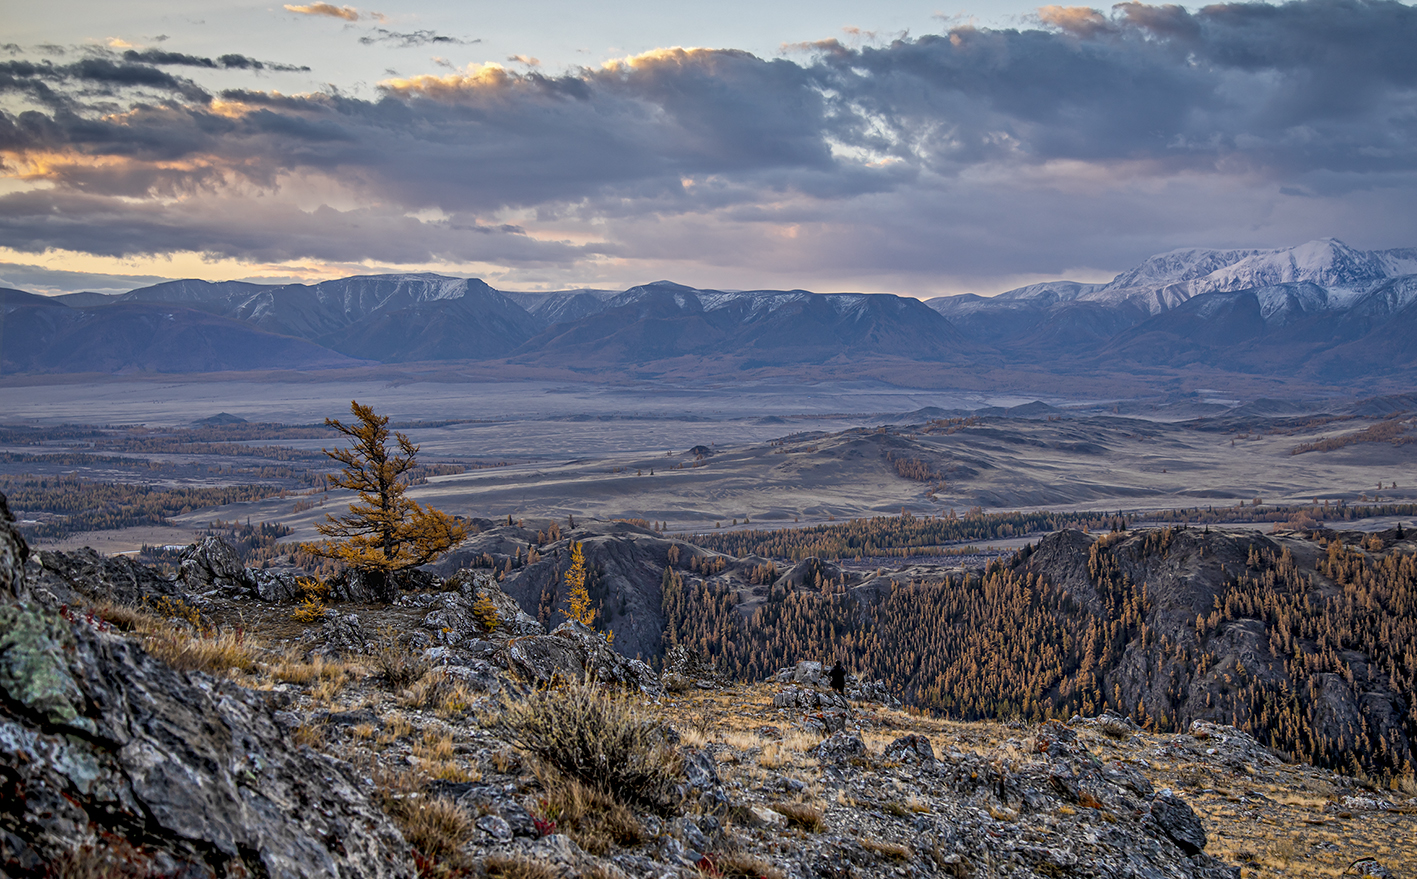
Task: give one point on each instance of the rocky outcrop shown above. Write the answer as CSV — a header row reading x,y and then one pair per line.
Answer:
x,y
573,652
339,634
115,763
211,566
685,668
13,554
84,575
626,564
473,586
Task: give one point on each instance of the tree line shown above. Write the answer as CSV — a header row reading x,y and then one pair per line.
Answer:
x,y
1009,643
79,505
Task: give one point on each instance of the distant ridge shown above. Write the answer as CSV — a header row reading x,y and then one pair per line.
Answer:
x,y
1320,312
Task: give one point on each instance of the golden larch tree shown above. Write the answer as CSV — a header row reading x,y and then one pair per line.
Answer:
x,y
578,598
385,530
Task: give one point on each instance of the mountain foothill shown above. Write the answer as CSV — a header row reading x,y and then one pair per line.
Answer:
x,y
1322,312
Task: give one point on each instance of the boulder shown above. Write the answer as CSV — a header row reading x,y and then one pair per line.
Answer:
x,y
511,619
1179,822
685,668
809,673
910,749
211,565
13,554
1367,868
840,748
85,575
364,587
277,586
112,756
338,635
573,652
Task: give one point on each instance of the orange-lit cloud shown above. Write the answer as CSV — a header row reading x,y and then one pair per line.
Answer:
x,y
1080,20
1089,138
348,13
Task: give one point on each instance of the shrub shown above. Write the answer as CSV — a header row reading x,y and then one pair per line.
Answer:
x,y
801,815
397,665
485,610
600,739
590,816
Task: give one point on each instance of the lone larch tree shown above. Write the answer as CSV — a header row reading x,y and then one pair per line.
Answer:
x,y
384,531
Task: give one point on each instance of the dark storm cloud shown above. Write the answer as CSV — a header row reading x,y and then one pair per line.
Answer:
x,y
412,39
228,62
1315,84
1282,95
106,75
40,220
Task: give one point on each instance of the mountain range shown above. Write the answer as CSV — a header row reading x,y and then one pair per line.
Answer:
x,y
1322,310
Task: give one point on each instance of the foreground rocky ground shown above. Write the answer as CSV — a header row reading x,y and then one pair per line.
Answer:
x,y
193,727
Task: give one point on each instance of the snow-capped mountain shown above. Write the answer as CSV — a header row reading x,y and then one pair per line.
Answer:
x,y
1322,310
1164,281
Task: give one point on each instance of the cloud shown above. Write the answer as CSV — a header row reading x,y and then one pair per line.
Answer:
x,y
228,62
348,13
1088,138
39,279
412,38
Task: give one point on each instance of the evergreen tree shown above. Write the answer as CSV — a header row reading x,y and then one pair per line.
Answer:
x,y
384,531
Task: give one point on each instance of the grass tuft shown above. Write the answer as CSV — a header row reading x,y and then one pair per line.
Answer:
x,y
600,739
736,865
590,816
517,867
437,827
807,817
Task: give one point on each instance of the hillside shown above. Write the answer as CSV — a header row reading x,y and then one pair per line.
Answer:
x,y
1302,643
404,739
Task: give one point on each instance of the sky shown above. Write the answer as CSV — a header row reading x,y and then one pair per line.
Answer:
x,y
832,146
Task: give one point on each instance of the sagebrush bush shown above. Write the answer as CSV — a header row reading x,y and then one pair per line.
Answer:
x,y
593,818
398,665
601,739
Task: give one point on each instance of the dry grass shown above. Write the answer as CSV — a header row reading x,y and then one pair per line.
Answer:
x,y
600,739
396,726
185,644
803,815
446,695
435,755
517,867
438,828
891,850
215,654
736,865
311,734
590,816
398,666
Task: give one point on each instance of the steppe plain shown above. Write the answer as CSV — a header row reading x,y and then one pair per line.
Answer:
x,y
770,454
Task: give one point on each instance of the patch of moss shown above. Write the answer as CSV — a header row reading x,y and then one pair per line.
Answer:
x,y
32,668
